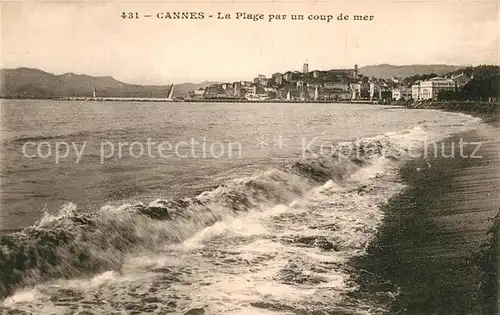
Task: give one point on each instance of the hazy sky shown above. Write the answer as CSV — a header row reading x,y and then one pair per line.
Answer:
x,y
92,38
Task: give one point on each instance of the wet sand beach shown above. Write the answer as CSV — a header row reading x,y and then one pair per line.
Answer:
x,y
428,245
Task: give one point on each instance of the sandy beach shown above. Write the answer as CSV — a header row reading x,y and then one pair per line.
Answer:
x,y
428,247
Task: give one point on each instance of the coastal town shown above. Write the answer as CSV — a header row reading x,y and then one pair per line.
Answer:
x,y
411,88
335,85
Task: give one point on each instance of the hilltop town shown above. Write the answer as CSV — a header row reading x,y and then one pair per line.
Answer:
x,y
371,84
334,85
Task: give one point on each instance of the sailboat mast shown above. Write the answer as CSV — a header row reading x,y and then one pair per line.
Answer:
x,y
171,93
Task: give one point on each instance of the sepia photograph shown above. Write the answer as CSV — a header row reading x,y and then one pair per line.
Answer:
x,y
268,157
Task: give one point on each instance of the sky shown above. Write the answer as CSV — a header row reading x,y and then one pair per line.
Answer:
x,y
92,38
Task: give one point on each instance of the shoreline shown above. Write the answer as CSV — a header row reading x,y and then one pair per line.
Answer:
x,y
435,244
209,100
488,111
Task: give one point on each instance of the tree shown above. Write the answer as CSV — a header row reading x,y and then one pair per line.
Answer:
x,y
482,88
411,80
448,95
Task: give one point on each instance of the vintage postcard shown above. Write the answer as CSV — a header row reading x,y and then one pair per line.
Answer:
x,y
249,157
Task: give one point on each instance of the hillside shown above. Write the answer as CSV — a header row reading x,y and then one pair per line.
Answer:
x,y
34,83
386,71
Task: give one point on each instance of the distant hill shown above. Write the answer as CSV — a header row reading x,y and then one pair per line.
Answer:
x,y
35,83
386,71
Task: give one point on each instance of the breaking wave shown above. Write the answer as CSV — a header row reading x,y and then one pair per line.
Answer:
x,y
280,241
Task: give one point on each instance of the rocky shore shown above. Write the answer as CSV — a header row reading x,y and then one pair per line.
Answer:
x,y
491,109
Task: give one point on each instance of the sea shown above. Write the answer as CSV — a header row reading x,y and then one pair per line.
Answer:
x,y
198,208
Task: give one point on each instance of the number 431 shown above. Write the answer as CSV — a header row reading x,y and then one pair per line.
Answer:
x,y
130,15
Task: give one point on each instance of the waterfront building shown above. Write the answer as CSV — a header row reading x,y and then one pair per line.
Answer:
x,y
261,80
401,93
271,92
302,95
247,88
229,89
341,86
430,89
222,90
212,91
278,78
356,91
237,89
197,94
329,95
396,94
415,91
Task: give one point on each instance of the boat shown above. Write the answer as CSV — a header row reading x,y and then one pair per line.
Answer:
x,y
170,94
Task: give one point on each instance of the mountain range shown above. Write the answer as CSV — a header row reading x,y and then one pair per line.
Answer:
x,y
35,83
